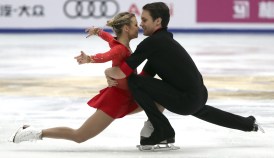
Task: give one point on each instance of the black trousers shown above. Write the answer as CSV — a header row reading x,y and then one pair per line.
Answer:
x,y
147,90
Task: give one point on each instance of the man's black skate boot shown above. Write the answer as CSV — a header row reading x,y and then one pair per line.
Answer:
x,y
159,138
256,126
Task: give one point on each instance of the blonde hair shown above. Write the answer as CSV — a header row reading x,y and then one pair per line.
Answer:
x,y
119,21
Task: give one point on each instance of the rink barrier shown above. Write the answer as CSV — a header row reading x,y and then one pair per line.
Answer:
x,y
82,30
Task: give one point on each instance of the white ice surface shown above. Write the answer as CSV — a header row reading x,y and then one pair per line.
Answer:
x,y
52,55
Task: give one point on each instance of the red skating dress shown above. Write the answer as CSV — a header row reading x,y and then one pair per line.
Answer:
x,y
115,101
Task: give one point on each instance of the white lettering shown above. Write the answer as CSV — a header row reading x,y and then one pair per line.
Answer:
x,y
266,10
241,9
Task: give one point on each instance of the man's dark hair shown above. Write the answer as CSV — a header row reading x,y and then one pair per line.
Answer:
x,y
158,10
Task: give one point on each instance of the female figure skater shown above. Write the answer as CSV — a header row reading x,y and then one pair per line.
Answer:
x,y
126,28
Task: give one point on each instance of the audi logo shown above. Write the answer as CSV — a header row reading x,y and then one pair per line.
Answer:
x,y
91,8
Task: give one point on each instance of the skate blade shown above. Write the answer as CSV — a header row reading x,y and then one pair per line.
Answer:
x,y
18,130
260,128
15,133
157,147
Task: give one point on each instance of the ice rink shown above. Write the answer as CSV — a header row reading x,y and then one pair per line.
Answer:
x,y
42,85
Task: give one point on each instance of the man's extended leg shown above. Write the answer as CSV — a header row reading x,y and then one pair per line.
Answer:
x,y
179,103
226,119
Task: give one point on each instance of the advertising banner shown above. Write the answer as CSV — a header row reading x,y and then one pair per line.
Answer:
x,y
236,11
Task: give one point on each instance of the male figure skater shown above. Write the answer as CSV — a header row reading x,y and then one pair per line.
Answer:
x,y
181,89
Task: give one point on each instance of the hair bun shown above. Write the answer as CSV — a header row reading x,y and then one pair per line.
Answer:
x,y
110,22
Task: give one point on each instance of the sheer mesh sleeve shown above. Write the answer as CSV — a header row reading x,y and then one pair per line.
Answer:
x,y
105,36
117,52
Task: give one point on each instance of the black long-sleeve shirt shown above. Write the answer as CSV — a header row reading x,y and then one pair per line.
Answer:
x,y
166,58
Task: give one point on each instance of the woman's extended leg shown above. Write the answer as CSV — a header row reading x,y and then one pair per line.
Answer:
x,y
91,127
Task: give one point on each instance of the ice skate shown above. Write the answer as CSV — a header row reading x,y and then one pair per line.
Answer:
x,y
26,133
146,132
256,126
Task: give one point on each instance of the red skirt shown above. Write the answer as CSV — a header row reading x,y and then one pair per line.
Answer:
x,y
114,101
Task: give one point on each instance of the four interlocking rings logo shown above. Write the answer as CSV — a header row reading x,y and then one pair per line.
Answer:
x,y
91,8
